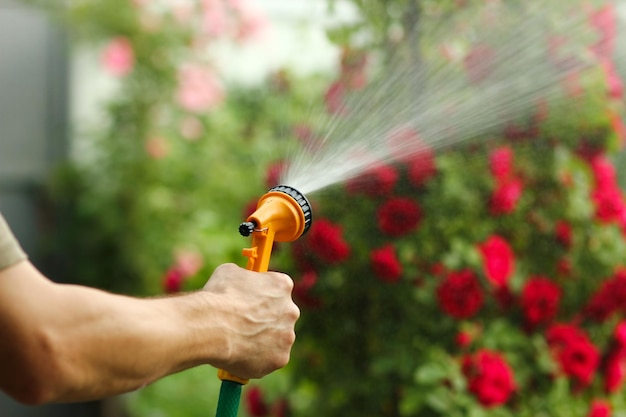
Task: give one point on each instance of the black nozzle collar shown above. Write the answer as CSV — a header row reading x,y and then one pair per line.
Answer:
x,y
302,202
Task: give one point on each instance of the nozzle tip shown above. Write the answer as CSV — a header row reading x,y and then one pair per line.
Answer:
x,y
246,228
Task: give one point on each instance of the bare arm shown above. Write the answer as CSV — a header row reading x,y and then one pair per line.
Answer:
x,y
72,343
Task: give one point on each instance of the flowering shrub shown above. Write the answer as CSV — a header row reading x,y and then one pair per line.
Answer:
x,y
484,280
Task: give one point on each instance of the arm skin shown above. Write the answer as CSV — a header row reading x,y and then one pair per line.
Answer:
x,y
65,343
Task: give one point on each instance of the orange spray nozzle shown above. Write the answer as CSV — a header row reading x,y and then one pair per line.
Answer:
x,y
283,214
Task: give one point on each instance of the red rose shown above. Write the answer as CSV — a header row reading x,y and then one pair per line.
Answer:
x,y
608,299
599,408
489,377
505,196
609,203
255,403
614,371
575,353
619,334
463,339
274,173
501,162
460,294
479,63
498,260
302,290
376,182
173,280
326,241
563,232
540,300
605,22
335,96
385,264
398,216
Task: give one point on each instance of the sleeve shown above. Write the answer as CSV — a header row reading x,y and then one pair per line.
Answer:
x,y
10,250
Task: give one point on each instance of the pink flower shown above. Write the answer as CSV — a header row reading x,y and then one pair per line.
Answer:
x,y
191,128
157,147
605,22
118,57
214,17
199,89
385,264
252,23
188,262
498,260
615,85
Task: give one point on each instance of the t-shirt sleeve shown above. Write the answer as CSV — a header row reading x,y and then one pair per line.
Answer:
x,y
10,250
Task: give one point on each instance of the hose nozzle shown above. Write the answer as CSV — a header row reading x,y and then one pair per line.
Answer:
x,y
283,214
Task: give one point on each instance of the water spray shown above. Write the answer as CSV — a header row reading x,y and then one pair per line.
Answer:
x,y
283,214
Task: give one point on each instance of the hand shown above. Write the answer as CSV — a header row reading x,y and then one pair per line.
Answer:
x,y
256,316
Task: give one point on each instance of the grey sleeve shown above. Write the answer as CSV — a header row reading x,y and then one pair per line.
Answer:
x,y
10,250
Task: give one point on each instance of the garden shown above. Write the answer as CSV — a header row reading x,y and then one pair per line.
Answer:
x,y
483,278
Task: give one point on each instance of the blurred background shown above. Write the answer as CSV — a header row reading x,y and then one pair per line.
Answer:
x,y
136,135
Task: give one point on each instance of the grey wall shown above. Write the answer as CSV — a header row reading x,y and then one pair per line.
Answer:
x,y
33,103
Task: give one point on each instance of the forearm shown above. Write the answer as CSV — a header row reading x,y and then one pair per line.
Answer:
x,y
78,343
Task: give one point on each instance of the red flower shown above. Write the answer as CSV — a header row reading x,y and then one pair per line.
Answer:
x,y
274,173
608,299
575,353
563,232
385,264
421,167
376,182
173,280
498,260
501,162
609,203
326,241
302,290
489,377
255,404
614,371
479,63
335,98
540,300
599,408
605,22
463,339
399,216
505,196
460,294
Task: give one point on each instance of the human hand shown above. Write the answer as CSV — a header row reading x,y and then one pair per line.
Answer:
x,y
256,317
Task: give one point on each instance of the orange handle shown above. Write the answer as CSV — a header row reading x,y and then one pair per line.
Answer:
x,y
258,260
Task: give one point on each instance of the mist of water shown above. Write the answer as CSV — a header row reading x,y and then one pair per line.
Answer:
x,y
523,57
